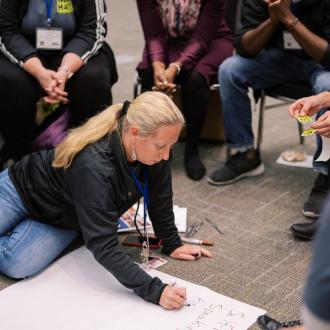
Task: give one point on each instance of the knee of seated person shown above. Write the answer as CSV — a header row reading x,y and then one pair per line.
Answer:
x,y
196,82
322,83
22,264
230,67
94,79
19,268
12,81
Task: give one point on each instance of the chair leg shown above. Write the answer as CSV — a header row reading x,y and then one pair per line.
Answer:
x,y
301,129
137,87
261,119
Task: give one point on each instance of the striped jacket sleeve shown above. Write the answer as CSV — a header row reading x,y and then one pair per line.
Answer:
x,y
12,42
91,30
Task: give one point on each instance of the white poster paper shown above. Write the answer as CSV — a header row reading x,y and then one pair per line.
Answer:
x,y
76,293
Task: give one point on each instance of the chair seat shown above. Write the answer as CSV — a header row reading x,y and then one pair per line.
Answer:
x,y
291,90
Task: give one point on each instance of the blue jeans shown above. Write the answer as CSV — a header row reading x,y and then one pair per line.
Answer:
x,y
26,245
270,68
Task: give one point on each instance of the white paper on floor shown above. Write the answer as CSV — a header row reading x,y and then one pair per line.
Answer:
x,y
76,293
307,163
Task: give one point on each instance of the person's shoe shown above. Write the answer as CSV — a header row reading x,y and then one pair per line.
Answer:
x,y
304,230
194,167
267,323
239,166
313,206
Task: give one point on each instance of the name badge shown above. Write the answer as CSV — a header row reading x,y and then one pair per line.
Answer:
x,y
289,41
51,39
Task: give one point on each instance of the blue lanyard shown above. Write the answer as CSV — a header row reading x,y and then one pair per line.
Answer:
x,y
144,191
49,7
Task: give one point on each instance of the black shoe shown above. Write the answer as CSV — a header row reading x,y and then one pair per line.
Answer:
x,y
194,167
313,205
304,230
267,323
239,166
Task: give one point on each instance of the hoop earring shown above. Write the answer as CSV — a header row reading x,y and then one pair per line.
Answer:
x,y
133,155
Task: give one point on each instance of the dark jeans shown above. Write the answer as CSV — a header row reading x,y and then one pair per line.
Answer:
x,y
270,68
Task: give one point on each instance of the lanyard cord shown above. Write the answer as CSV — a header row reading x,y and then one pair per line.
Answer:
x,y
49,7
135,223
145,192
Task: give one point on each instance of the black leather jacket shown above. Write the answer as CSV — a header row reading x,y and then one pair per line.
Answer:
x,y
90,196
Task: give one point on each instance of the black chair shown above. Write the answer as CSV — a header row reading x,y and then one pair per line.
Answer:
x,y
286,93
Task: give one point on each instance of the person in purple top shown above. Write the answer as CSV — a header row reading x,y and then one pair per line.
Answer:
x,y
186,41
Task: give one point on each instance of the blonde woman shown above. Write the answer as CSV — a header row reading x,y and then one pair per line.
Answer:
x,y
93,177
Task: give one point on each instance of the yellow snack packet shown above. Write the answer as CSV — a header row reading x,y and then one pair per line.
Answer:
x,y
304,119
308,132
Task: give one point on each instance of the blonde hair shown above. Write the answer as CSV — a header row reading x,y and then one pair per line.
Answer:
x,y
148,112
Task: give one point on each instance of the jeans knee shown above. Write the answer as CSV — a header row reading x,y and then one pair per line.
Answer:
x,y
322,83
230,71
14,268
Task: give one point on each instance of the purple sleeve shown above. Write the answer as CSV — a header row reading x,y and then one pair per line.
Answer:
x,y
153,30
210,18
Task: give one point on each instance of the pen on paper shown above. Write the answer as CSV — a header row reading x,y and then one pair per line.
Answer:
x,y
197,241
174,284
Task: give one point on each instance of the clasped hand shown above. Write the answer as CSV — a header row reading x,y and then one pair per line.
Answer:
x,y
53,83
164,80
279,10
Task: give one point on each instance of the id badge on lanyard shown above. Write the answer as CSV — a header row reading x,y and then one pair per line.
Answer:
x,y
49,38
145,192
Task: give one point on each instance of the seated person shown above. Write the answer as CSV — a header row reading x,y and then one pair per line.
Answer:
x,y
279,41
55,49
186,41
97,173
310,106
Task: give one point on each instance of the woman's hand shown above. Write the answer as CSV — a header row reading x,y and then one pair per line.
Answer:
x,y
322,125
306,106
160,79
56,89
45,78
170,74
190,252
173,297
